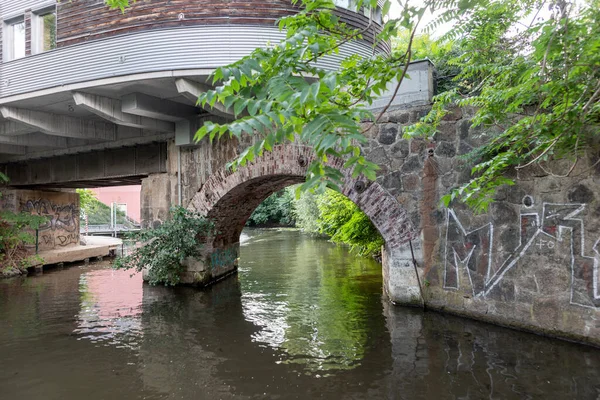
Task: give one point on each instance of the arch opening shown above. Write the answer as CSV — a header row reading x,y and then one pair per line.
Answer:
x,y
229,198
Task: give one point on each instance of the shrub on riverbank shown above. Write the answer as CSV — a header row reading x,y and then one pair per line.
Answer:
x,y
97,212
164,249
344,222
276,210
334,215
15,235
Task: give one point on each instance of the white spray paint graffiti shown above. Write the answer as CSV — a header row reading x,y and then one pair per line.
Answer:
x,y
470,252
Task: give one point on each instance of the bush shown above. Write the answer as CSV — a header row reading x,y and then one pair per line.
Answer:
x,y
276,209
306,212
97,212
345,223
165,248
15,234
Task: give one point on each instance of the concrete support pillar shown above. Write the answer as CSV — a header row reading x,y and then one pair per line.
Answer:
x,y
158,195
400,279
60,210
213,265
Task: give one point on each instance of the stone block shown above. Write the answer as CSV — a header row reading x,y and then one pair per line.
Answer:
x,y
417,146
463,129
546,312
509,238
446,131
371,130
388,133
378,156
445,149
399,116
580,193
412,164
392,182
400,149
416,115
504,213
449,180
464,148
411,182
453,114
548,185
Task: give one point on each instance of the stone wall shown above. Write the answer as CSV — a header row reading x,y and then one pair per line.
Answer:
x,y
530,262
60,208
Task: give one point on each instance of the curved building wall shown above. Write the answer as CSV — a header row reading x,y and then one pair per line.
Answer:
x,y
166,50
14,8
95,42
80,21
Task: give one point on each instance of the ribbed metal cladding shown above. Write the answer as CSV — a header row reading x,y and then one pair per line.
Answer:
x,y
14,8
149,51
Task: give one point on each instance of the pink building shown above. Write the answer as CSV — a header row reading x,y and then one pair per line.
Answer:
x,y
128,198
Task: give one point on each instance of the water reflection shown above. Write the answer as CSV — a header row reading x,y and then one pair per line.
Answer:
x,y
111,302
304,320
309,298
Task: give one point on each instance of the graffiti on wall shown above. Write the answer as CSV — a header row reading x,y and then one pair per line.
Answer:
x,y
468,254
62,222
223,260
62,217
7,201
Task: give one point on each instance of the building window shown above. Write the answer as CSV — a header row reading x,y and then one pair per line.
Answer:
x,y
14,41
376,15
348,4
43,31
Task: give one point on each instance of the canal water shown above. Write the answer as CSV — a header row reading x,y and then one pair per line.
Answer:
x,y
303,319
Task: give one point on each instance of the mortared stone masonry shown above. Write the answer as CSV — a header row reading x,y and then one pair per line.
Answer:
x,y
531,262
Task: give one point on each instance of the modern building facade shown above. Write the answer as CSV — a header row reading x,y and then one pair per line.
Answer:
x,y
78,79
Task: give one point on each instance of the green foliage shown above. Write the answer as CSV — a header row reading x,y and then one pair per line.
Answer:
x,y
439,51
87,200
535,88
275,209
306,212
165,248
16,231
536,83
333,214
120,4
343,221
282,94
97,212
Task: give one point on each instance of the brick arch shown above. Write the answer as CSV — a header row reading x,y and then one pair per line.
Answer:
x,y
229,198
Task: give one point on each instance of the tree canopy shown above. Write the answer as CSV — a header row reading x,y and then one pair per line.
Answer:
x,y
530,69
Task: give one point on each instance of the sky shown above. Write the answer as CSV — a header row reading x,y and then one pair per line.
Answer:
x,y
427,18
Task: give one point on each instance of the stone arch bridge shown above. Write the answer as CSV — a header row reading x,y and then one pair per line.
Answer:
x,y
531,261
228,199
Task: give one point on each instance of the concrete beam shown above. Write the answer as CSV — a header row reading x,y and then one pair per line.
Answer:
x,y
115,164
39,139
191,90
12,149
12,128
144,105
60,125
111,110
125,137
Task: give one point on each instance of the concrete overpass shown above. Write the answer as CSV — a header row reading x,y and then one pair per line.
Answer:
x,y
97,105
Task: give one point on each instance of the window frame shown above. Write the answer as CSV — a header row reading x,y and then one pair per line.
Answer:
x,y
37,28
8,38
